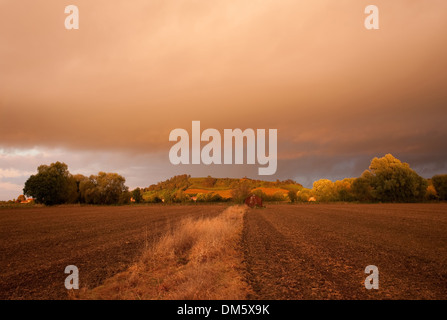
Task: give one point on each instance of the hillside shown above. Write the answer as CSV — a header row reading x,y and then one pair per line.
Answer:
x,y
184,186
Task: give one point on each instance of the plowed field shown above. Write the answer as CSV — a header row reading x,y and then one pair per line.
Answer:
x,y
36,244
321,251
291,251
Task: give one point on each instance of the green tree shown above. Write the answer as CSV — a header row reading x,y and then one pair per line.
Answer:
x,y
78,178
324,190
88,193
153,198
394,181
180,197
362,187
304,195
440,184
209,197
51,185
104,188
124,197
343,190
136,195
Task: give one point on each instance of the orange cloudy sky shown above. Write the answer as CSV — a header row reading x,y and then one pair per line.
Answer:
x,y
106,96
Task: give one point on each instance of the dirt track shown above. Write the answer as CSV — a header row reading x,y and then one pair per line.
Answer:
x,y
321,251
36,244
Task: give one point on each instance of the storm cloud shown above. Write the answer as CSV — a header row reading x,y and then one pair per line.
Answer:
x,y
106,96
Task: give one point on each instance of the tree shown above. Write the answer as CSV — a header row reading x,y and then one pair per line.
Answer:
x,y
153,198
51,185
324,190
241,192
277,196
292,195
104,188
431,193
362,188
394,181
124,197
304,195
78,178
136,195
111,186
177,182
440,184
88,192
180,197
261,194
167,196
209,197
343,190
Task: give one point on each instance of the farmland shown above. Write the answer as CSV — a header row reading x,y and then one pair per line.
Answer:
x,y
321,251
305,251
36,244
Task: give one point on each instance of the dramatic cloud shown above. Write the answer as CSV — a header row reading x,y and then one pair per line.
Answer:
x,y
106,96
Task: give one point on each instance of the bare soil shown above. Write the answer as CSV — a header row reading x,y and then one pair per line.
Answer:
x,y
321,251
36,244
309,251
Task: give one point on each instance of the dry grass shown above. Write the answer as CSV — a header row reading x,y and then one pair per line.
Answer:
x,y
201,259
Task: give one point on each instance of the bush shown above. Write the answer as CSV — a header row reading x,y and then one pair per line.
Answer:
x,y
304,195
259,193
209,197
440,184
292,196
153,198
241,192
180,197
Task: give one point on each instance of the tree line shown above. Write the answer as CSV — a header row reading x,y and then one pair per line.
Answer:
x,y
386,180
54,184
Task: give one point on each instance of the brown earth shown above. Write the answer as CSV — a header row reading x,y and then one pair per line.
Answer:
x,y
309,251
36,244
321,251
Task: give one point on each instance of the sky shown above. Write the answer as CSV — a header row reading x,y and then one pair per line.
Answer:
x,y
105,97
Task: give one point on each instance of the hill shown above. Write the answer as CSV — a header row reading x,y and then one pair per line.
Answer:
x,y
184,187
